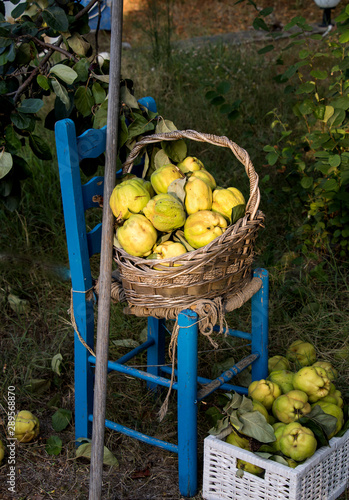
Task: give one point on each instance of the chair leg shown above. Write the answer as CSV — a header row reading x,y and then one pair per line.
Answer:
x,y
155,353
187,366
84,377
260,307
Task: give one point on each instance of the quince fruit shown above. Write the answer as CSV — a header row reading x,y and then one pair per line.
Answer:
x,y
190,164
198,195
137,235
130,196
297,442
167,250
224,200
165,212
264,391
244,443
26,426
335,411
162,177
203,227
278,431
331,372
277,362
257,406
204,175
283,378
291,406
313,381
301,352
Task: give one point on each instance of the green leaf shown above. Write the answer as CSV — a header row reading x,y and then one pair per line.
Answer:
x,y
266,12
6,163
337,118
176,150
79,45
303,54
305,88
43,82
177,188
267,48
101,115
221,426
30,105
84,101
335,160
210,95
127,98
307,182
319,74
256,426
81,68
13,144
37,386
344,38
53,445
56,363
18,11
98,92
321,423
65,73
40,147
161,159
259,23
272,158
223,87
61,93
56,18
341,102
328,113
217,101
61,419
84,450
330,185
139,126
237,212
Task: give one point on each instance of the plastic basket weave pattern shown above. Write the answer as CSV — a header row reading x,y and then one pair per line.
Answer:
x,y
324,476
220,268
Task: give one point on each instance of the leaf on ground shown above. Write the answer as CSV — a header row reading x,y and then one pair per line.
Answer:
x,y
61,419
53,445
84,450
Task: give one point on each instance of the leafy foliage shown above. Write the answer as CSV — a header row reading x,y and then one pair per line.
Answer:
x,y
48,79
313,152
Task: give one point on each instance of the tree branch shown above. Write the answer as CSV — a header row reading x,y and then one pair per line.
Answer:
x,y
54,47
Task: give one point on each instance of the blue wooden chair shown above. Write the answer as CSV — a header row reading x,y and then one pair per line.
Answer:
x,y
77,198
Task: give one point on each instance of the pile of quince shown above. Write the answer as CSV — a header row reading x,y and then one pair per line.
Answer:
x,y
299,408
176,209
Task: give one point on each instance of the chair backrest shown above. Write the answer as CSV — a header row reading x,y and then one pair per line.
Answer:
x,y
77,198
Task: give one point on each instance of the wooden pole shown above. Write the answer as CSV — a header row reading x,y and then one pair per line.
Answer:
x,y
103,321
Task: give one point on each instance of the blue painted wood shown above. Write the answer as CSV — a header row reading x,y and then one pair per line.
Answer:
x,y
156,354
92,143
79,263
260,325
187,366
93,187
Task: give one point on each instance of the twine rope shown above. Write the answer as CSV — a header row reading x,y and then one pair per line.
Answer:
x,y
88,296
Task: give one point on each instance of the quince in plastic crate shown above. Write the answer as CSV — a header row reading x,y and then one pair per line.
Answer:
x,y
324,476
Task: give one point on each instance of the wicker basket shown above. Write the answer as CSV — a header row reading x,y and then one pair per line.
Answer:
x,y
221,268
324,476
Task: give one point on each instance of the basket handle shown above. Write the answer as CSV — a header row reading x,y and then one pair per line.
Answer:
x,y
240,153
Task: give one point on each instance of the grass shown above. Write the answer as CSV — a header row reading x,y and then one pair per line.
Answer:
x,y
308,295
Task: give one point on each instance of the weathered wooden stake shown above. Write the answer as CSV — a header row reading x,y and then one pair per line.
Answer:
x,y
103,322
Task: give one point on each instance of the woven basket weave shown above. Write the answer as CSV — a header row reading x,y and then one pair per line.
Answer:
x,y
221,268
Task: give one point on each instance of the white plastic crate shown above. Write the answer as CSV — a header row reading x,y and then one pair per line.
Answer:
x,y
324,476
